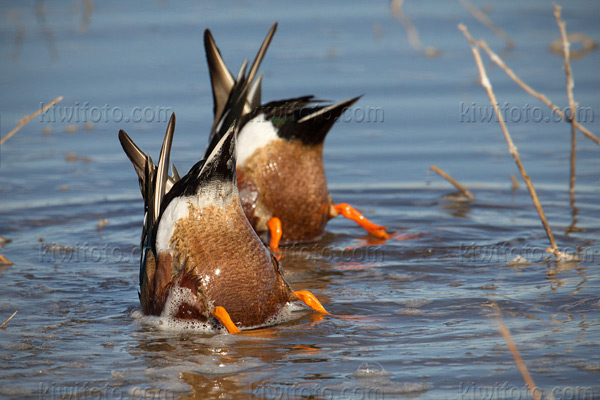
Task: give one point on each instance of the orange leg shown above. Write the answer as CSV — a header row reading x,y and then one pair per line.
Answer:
x,y
274,226
222,315
351,213
310,300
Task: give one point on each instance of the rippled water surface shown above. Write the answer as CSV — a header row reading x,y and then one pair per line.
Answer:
x,y
413,317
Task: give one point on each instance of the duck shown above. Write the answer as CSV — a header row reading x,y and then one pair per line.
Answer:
x,y
201,259
280,169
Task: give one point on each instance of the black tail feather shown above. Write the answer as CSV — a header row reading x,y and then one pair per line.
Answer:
x,y
295,120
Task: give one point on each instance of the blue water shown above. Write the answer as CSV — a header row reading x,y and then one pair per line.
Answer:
x,y
412,318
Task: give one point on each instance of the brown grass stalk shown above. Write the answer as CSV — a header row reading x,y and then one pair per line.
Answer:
x,y
28,118
5,261
411,30
466,192
496,59
9,318
488,23
515,182
511,146
514,351
570,85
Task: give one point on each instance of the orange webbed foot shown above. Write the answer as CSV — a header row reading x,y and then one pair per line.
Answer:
x,y
310,300
274,226
351,213
223,316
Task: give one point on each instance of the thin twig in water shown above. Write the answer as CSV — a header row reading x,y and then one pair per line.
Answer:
x,y
9,318
495,58
515,182
511,146
5,261
411,30
488,23
453,181
40,12
87,16
570,84
28,118
533,389
19,33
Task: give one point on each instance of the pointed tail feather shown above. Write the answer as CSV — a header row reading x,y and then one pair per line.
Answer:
x,y
258,60
222,79
134,153
162,171
233,110
147,188
220,164
176,176
313,123
138,159
254,94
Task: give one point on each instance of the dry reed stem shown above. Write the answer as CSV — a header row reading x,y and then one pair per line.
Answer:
x,y
40,12
9,318
28,118
5,261
514,351
19,33
496,59
511,147
411,30
570,85
87,16
488,23
102,223
453,181
515,182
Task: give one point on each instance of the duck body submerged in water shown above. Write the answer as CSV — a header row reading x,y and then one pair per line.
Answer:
x,y
280,170
201,258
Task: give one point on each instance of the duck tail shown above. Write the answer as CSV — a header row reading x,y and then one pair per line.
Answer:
x,y
154,180
138,158
313,123
232,111
216,171
162,169
222,80
220,77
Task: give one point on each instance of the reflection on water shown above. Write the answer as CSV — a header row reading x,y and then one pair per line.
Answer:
x,y
411,316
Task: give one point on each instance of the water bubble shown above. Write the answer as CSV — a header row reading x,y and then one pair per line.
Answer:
x,y
368,369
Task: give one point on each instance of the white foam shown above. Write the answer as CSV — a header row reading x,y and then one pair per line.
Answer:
x,y
416,303
287,313
177,297
257,133
167,322
215,365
